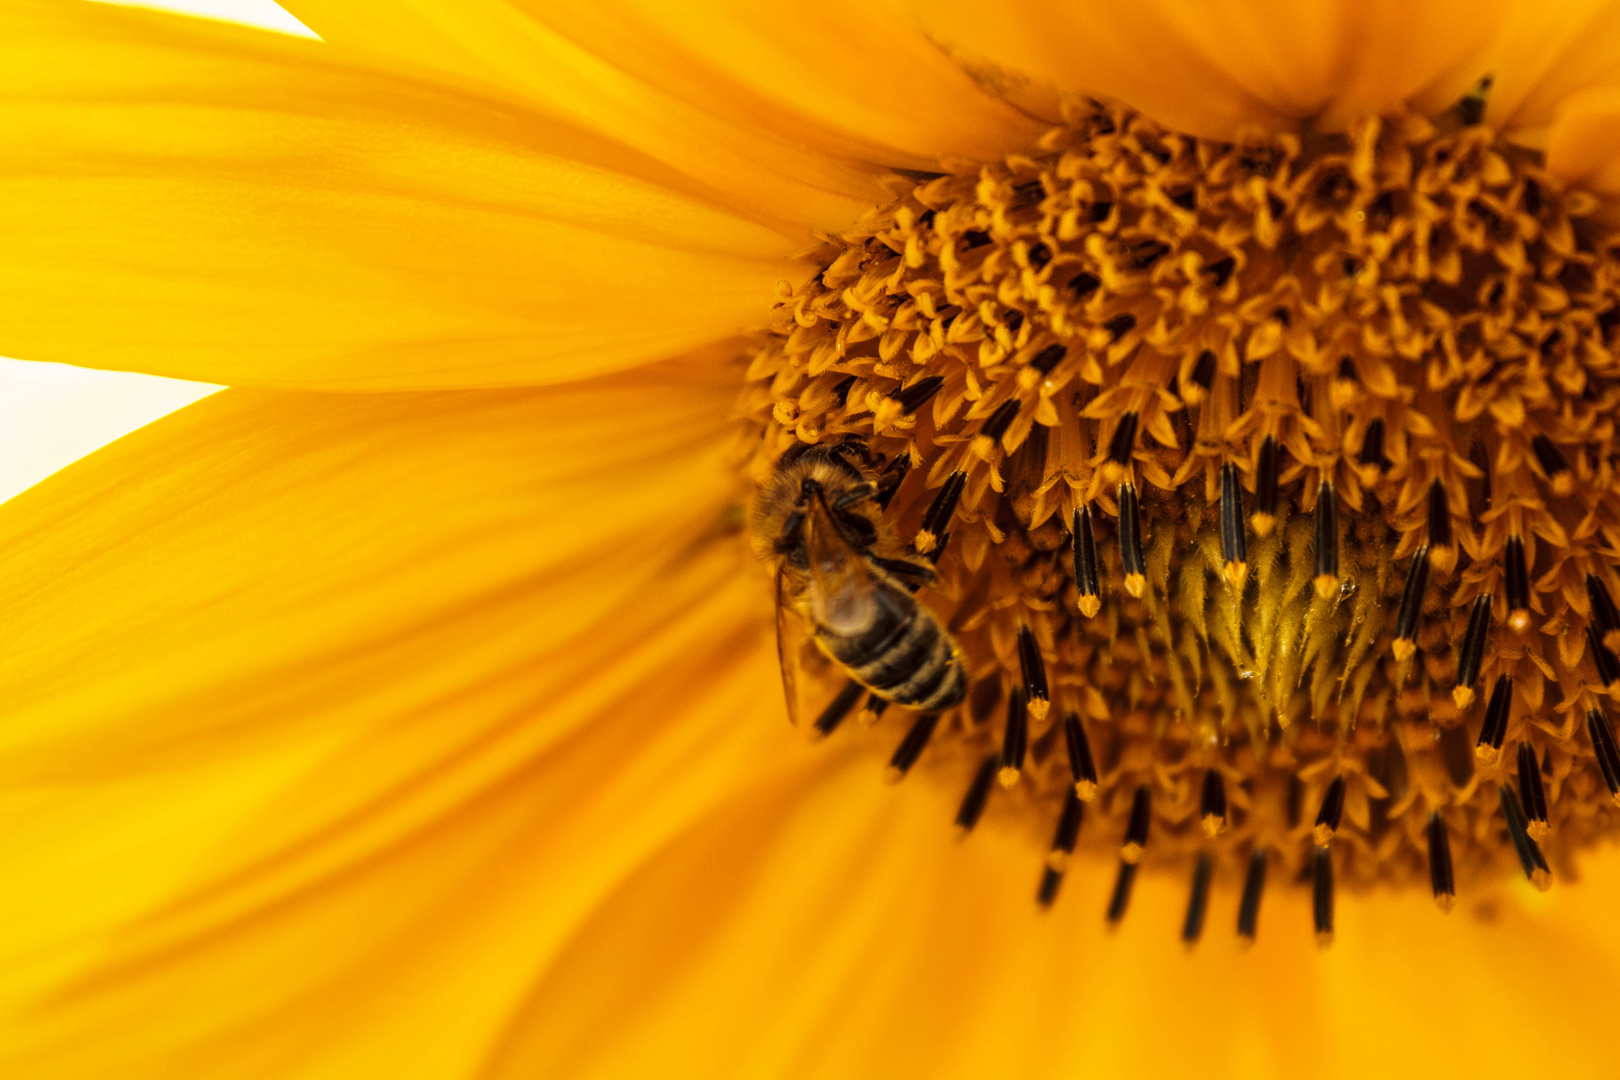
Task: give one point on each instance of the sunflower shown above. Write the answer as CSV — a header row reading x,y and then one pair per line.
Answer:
x,y
1234,384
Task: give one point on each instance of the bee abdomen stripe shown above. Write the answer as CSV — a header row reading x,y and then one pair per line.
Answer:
x,y
892,667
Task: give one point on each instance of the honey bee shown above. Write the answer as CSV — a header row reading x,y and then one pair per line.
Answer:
x,y
843,579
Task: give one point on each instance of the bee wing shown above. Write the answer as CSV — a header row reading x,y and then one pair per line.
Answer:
x,y
790,641
810,680
840,588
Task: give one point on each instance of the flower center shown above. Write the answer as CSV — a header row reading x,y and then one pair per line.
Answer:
x,y
1270,489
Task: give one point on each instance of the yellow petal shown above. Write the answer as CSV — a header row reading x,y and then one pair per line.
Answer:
x,y
839,931
206,201
490,42
755,99
854,76
1583,145
311,687
1547,51
1211,67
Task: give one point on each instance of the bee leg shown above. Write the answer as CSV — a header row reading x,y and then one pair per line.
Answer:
x,y
855,493
792,537
855,443
793,453
888,482
912,575
857,530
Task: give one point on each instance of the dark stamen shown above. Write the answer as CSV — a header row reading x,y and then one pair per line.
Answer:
x,y
917,394
1603,611
1517,581
974,238
1531,794
1081,766
1295,800
1265,487
1607,753
1015,740
1068,831
1120,325
1328,817
838,708
1051,880
889,480
939,514
978,793
1473,651
1221,270
1494,730
1083,285
1440,875
1136,829
1254,881
1147,253
1212,803
1471,108
841,390
1048,358
1327,541
1406,621
1439,521
1372,445
1322,895
1121,900
1553,464
1530,857
1192,928
873,710
1085,563
1130,541
1124,440
1234,536
1608,668
1027,194
1203,376
911,747
1000,420
1033,668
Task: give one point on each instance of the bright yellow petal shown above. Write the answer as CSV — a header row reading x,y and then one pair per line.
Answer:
x,y
1211,67
1548,51
301,690
491,42
1583,144
755,99
200,200
840,931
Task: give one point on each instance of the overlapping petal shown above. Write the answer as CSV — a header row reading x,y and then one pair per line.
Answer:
x,y
843,932
1210,68
748,96
199,200
1544,52
299,683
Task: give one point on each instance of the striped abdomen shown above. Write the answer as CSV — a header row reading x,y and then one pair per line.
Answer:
x,y
904,655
